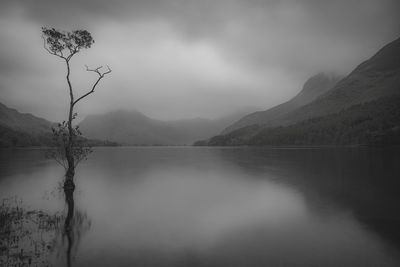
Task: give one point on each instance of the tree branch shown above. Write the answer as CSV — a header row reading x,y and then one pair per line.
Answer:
x,y
101,76
72,52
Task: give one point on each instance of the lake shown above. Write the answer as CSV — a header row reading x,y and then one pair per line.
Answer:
x,y
199,206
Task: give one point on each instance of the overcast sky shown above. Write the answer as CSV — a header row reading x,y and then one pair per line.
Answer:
x,y
186,58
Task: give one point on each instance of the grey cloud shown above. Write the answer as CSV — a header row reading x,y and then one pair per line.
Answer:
x,y
264,39
255,31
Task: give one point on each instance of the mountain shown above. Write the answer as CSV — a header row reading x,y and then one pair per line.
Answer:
x,y
377,79
373,123
313,88
21,129
24,122
24,130
135,128
123,127
127,127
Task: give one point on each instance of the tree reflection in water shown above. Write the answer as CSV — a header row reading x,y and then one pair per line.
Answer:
x,y
75,224
38,238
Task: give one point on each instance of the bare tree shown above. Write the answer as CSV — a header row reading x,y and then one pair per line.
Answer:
x,y
65,45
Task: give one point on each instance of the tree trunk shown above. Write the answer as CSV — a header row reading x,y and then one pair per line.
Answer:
x,y
69,188
69,149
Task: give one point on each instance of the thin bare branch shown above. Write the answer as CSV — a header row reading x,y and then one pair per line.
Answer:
x,y
97,70
108,71
101,76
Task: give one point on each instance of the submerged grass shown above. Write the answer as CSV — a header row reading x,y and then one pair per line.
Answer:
x,y
26,236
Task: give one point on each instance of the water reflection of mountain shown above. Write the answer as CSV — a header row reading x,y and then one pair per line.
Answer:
x,y
363,181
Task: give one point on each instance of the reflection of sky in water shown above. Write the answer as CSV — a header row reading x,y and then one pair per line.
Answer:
x,y
199,204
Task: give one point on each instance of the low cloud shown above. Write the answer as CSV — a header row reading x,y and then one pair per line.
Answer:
x,y
175,59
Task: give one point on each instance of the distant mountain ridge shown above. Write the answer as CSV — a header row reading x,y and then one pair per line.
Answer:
x,y
26,130
375,80
118,127
25,122
22,129
135,128
313,88
124,126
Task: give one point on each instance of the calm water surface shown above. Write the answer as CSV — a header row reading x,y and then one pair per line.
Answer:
x,y
184,206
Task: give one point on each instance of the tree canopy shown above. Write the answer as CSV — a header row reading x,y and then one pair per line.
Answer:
x,y
66,44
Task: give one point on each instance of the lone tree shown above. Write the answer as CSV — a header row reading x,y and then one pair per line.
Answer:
x,y
70,148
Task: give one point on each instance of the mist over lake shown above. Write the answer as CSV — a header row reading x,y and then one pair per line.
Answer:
x,y
183,206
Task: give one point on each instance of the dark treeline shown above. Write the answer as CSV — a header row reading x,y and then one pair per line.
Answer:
x,y
372,123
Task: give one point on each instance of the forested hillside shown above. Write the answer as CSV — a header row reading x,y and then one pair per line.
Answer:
x,y
373,123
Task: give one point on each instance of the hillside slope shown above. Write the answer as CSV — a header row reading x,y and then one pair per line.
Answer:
x,y
373,123
313,88
19,129
23,122
375,78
